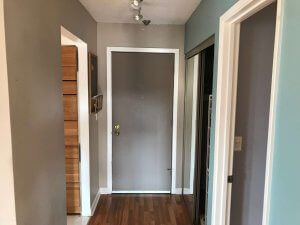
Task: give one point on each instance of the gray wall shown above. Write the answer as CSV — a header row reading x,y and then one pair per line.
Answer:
x,y
132,35
35,89
252,117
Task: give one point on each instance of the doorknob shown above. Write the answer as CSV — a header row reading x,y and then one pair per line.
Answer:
x,y
117,130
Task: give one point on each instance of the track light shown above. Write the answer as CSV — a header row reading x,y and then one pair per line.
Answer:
x,y
146,22
136,4
138,17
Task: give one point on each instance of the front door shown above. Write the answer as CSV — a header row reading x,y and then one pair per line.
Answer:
x,y
142,109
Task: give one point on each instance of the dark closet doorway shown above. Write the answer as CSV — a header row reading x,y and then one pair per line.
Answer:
x,y
198,99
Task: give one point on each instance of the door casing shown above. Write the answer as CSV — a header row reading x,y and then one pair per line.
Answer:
x,y
110,50
68,38
226,106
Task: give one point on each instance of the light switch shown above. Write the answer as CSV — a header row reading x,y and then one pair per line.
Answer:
x,y
238,140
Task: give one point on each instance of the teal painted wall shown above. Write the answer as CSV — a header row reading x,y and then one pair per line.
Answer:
x,y
205,21
285,189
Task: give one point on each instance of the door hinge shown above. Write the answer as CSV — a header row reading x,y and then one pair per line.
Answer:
x,y
230,179
77,60
79,153
170,170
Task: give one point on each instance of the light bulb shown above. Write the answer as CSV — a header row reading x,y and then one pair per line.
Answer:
x,y
138,17
135,4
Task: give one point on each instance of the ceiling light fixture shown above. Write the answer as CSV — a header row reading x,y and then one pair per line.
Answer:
x,y
146,22
136,4
138,16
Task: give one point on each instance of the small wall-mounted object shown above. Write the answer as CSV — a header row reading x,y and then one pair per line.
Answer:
x,y
96,99
238,141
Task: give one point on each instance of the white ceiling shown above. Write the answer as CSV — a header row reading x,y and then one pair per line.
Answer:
x,y
159,11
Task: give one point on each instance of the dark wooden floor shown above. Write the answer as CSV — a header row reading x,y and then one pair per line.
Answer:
x,y
140,210
189,202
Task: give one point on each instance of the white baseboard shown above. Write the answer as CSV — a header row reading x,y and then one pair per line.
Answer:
x,y
104,191
141,192
77,220
95,202
178,191
187,191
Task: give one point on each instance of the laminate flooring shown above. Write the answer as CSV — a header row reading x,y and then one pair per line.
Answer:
x,y
140,210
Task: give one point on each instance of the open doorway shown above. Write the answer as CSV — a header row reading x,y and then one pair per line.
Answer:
x,y
245,112
76,127
197,123
252,116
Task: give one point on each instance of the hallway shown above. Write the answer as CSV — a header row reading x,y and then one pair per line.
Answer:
x,y
140,210
149,112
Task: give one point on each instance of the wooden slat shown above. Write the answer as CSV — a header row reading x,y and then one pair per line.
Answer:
x,y
69,87
69,73
73,209
70,107
71,140
73,200
71,178
72,172
72,185
71,152
72,166
69,56
71,133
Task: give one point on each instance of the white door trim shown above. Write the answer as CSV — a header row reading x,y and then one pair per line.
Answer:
x,y
109,108
7,188
226,102
194,123
67,38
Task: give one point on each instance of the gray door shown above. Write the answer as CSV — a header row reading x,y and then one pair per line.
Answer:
x,y
142,110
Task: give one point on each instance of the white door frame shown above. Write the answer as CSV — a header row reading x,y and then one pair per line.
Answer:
x,y
190,189
110,50
67,38
229,35
7,187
